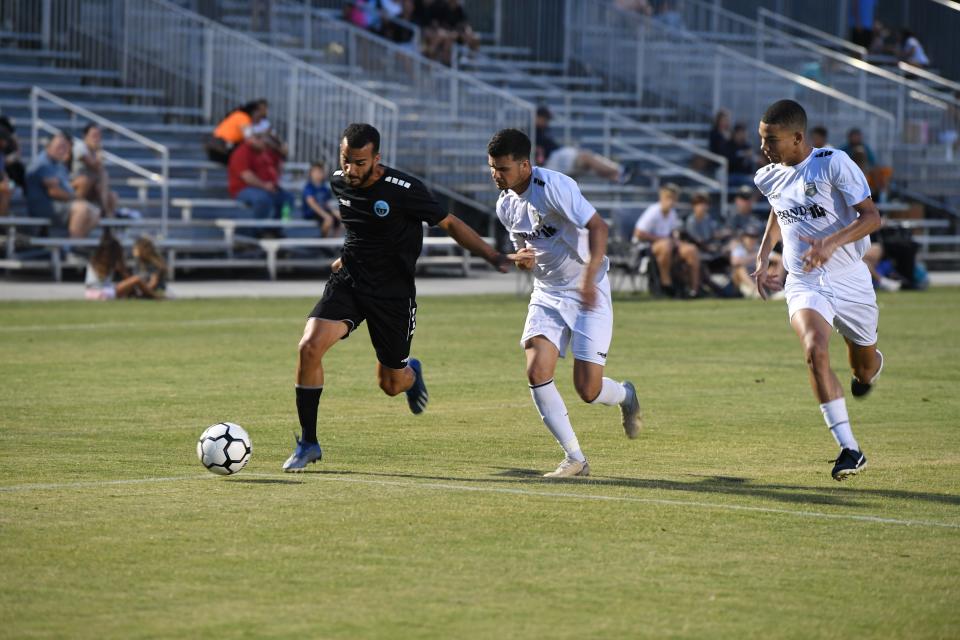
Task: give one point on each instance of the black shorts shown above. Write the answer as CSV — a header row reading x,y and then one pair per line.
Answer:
x,y
390,321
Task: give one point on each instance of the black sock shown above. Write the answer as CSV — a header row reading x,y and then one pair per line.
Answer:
x,y
308,399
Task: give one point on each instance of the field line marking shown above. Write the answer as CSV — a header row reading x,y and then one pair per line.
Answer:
x,y
83,484
660,501
93,326
442,486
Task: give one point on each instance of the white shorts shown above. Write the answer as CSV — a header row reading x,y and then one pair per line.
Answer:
x,y
845,299
558,317
564,160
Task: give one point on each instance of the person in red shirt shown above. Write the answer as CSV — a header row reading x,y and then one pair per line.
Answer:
x,y
254,178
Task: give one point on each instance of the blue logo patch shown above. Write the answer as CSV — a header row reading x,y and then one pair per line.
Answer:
x,y
381,208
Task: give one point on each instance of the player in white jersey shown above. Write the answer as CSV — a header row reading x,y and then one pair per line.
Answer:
x,y
562,240
821,209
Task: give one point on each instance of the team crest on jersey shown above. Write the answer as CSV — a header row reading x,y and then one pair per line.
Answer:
x,y
810,189
381,208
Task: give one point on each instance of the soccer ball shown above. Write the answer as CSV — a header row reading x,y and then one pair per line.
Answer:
x,y
224,448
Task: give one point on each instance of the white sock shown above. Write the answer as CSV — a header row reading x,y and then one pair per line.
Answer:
x,y
611,393
554,413
835,415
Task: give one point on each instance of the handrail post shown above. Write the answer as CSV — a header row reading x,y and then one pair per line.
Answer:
x,y
34,124
164,190
45,20
208,58
292,112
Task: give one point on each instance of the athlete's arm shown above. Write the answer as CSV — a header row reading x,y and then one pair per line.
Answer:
x,y
467,238
767,282
597,232
822,248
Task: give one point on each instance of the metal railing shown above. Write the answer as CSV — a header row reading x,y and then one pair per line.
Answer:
x,y
162,180
204,70
449,116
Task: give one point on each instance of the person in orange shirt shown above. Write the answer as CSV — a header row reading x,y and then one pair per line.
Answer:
x,y
232,130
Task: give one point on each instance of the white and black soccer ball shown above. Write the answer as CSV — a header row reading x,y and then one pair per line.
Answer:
x,y
224,448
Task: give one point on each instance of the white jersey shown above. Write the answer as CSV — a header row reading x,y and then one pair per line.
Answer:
x,y
549,217
815,198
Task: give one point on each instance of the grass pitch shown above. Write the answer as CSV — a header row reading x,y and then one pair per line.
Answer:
x,y
720,521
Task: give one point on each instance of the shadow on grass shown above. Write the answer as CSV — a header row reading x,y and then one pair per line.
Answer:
x,y
846,496
264,481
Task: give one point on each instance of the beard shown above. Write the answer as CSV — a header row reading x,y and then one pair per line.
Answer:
x,y
359,180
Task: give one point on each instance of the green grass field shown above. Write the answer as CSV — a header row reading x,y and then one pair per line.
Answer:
x,y
720,521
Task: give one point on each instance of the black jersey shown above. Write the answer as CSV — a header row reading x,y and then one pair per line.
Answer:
x,y
384,231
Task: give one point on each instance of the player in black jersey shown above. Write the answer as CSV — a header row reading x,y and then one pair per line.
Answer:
x,y
383,211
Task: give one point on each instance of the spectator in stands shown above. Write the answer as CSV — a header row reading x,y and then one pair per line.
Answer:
x,y
742,218
855,139
151,269
10,150
702,228
254,179
818,138
860,20
570,160
659,225
373,15
49,194
231,131
878,177
720,133
105,267
316,201
743,259
892,259
453,20
90,178
6,190
911,51
669,15
741,159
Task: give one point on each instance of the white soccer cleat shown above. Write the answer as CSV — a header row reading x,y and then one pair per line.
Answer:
x,y
631,412
570,468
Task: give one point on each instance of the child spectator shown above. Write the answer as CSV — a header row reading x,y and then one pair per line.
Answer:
x,y
151,269
105,266
316,198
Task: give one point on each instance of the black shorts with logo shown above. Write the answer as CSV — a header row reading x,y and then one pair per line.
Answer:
x,y
390,321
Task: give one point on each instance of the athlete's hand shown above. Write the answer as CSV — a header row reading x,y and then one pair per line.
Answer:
x,y
588,295
336,264
525,259
818,254
501,262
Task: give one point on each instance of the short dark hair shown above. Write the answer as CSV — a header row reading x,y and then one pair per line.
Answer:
x,y
360,134
88,126
819,130
318,164
509,142
786,113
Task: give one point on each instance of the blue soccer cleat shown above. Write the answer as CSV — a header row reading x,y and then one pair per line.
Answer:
x,y
848,463
417,396
305,453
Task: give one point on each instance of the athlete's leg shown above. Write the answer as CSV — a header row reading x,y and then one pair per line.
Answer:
x,y
864,360
394,381
542,356
588,379
318,336
814,332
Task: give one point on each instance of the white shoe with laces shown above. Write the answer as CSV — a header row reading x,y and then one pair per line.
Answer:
x,y
570,468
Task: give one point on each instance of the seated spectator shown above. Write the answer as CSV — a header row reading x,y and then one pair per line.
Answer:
x,y
570,160
232,130
670,16
877,177
742,218
741,158
818,138
702,229
861,19
90,178
659,225
452,19
254,178
151,269
855,139
6,190
316,201
743,260
892,259
911,51
105,267
720,133
10,150
49,194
